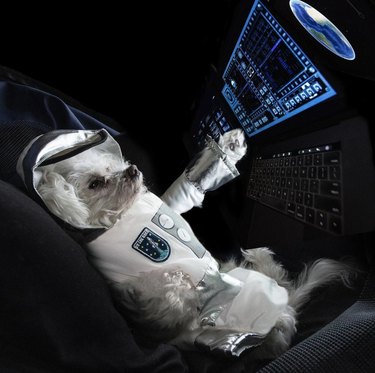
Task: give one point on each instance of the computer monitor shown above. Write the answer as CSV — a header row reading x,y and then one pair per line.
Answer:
x,y
269,78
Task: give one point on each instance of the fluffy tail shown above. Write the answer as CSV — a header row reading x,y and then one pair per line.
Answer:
x,y
319,273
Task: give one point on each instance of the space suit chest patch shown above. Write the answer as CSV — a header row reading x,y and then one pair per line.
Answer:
x,y
152,246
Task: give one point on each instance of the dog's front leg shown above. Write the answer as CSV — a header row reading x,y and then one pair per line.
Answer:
x,y
213,167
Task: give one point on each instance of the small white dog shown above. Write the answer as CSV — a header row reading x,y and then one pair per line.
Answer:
x,y
166,282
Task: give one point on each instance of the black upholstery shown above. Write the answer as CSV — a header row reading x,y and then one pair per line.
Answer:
x,y
56,313
345,345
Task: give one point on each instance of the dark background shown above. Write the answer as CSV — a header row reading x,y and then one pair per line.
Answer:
x,y
142,67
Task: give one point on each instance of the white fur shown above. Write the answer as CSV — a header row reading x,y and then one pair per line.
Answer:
x,y
316,274
164,303
233,143
65,189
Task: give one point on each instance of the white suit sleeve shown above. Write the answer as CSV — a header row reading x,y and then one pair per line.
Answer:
x,y
210,169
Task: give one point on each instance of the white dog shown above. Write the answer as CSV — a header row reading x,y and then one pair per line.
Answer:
x,y
166,282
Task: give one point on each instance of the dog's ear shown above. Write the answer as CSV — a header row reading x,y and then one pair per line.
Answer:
x,y
61,199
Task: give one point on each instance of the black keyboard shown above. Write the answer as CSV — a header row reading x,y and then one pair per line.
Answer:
x,y
305,184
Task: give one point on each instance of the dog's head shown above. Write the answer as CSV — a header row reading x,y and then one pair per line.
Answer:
x,y
91,189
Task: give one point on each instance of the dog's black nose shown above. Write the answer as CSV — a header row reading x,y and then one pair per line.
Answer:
x,y
132,172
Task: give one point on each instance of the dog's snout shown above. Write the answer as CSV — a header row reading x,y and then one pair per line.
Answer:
x,y
131,172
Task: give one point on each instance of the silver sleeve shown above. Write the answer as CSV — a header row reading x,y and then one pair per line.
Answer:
x,y
210,169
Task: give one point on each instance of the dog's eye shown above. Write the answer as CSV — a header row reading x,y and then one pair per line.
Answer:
x,y
97,183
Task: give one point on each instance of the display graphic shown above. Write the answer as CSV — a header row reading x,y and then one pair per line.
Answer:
x,y
323,30
269,77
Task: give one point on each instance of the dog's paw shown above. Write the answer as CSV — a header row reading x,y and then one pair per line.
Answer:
x,y
260,255
262,260
233,143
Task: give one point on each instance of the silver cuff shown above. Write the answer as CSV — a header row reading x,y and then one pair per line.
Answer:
x,y
227,342
211,168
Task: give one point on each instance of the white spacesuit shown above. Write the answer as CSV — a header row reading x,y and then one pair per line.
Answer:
x,y
238,308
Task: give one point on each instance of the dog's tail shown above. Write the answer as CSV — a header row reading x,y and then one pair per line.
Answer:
x,y
320,272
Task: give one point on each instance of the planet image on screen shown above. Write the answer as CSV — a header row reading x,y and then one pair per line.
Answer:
x,y
323,30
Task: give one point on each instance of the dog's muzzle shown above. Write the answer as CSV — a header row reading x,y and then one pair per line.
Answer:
x,y
132,172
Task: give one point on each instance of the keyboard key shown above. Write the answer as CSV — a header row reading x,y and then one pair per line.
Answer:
x,y
322,172
291,208
308,200
292,195
335,225
330,188
278,193
303,172
318,159
299,197
300,212
308,160
321,219
314,186
334,172
310,215
312,172
284,194
296,184
305,185
332,158
276,203
328,204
